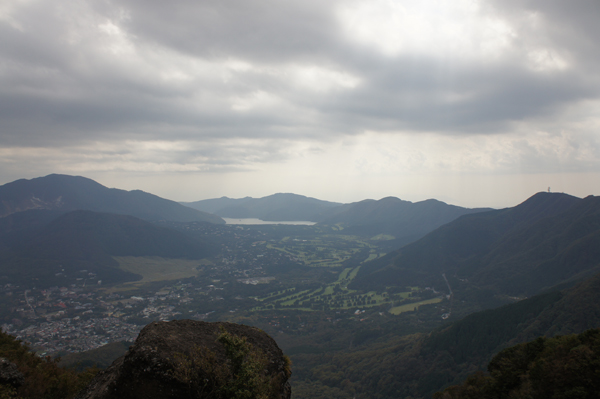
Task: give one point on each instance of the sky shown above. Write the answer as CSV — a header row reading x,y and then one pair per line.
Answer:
x,y
475,103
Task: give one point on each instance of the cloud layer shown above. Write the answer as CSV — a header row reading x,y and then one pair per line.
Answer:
x,y
363,89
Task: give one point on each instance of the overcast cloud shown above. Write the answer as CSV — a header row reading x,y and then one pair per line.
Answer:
x,y
478,103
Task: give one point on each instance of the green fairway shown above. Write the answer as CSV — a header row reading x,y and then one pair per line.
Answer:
x,y
325,251
383,237
330,251
413,306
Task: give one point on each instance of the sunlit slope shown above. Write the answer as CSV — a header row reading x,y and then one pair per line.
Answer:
x,y
548,239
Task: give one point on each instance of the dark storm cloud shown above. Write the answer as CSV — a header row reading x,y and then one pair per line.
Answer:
x,y
265,30
473,100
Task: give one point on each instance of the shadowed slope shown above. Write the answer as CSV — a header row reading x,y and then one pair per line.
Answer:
x,y
67,193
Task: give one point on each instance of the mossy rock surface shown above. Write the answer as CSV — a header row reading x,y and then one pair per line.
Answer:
x,y
150,367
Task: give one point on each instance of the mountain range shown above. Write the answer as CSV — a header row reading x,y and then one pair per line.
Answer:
x,y
549,239
541,256
276,207
405,221
67,193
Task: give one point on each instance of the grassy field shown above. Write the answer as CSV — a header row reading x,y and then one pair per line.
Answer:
x,y
325,251
334,296
353,273
344,275
383,237
372,257
413,306
158,269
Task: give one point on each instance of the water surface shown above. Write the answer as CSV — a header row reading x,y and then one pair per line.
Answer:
x,y
258,221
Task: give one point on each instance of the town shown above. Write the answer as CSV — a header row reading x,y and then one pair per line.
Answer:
x,y
257,272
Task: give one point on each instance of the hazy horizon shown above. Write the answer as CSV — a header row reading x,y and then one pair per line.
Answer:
x,y
474,103
347,202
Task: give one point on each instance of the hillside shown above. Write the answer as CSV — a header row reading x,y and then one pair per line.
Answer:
x,y
405,220
419,365
101,357
26,375
276,207
68,193
559,367
482,334
391,365
516,251
49,248
371,352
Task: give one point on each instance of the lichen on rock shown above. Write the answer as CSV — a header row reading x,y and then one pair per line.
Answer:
x,y
195,359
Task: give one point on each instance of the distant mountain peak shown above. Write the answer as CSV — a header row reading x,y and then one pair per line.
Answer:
x,y
391,198
68,193
275,207
545,195
547,239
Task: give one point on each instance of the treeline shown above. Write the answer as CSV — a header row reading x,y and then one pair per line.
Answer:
x,y
43,378
562,367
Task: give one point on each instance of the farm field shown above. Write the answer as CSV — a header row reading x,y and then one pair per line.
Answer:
x,y
154,269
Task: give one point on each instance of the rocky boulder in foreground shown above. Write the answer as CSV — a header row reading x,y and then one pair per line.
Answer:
x,y
196,359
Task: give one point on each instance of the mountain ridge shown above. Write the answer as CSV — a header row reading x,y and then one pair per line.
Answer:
x,y
489,249
275,207
406,221
403,220
67,193
59,245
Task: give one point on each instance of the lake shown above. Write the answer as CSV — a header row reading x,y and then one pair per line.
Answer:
x,y
258,221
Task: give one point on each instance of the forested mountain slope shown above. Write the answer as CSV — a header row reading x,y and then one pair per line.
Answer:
x,y
44,246
419,365
68,193
560,367
276,207
405,220
516,251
